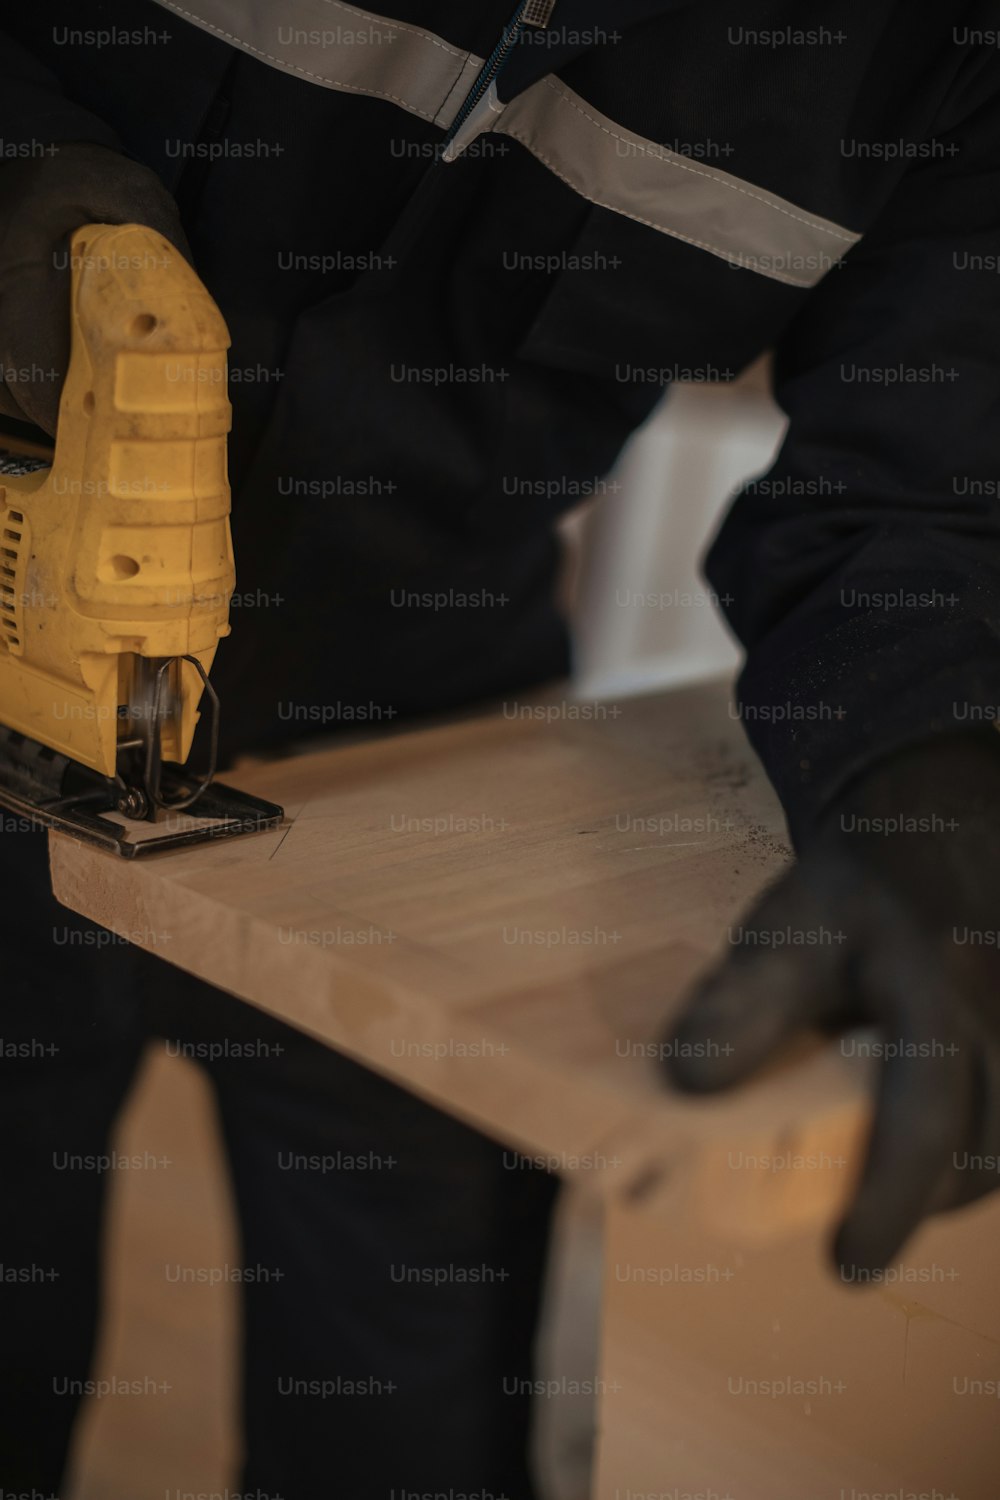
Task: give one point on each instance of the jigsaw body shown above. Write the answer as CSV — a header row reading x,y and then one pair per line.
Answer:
x,y
116,563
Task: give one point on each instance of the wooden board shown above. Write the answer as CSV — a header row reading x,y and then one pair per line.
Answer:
x,y
749,1371
502,914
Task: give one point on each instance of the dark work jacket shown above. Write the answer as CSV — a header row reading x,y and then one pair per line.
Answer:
x,y
435,351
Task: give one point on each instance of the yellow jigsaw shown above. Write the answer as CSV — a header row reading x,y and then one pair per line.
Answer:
x,y
116,563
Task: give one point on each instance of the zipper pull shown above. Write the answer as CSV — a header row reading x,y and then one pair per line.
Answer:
x,y
481,101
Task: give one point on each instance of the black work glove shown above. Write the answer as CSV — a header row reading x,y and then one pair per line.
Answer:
x,y
42,200
905,930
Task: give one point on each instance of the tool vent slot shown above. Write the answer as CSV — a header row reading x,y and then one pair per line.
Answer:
x,y
11,540
14,544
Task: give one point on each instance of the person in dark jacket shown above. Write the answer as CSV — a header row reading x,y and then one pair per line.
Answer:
x,y
457,247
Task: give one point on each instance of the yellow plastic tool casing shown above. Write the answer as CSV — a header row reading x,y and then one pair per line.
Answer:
x,y
122,548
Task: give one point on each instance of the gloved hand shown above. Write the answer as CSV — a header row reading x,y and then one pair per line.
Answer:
x,y
42,200
906,928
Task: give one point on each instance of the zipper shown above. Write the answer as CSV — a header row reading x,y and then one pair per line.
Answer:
x,y
419,207
537,13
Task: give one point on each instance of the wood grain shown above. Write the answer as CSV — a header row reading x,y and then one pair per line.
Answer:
x,y
752,1372
502,914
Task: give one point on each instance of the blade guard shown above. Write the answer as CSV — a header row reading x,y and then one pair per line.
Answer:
x,y
123,546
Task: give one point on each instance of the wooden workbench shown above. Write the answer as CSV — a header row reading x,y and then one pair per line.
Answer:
x,y
502,914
